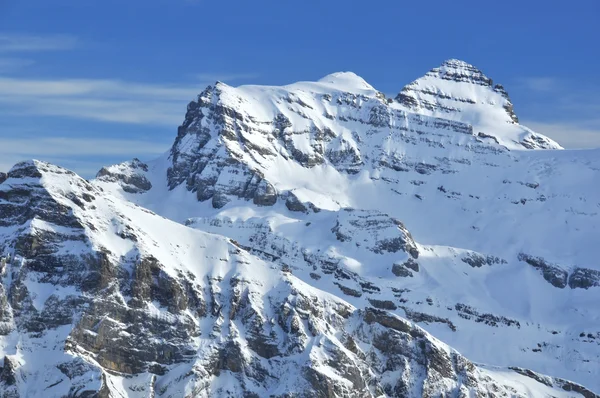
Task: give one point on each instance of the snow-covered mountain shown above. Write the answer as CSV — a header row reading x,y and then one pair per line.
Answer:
x,y
312,240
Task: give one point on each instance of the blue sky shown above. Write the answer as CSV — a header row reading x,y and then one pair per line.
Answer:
x,y
83,83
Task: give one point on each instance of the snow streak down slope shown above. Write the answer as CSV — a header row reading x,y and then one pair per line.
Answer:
x,y
104,298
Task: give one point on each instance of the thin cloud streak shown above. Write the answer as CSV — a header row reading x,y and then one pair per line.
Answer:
x,y
104,100
29,43
567,111
60,146
100,100
569,135
95,87
539,84
70,151
133,111
11,64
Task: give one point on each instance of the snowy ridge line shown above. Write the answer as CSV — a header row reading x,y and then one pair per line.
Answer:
x,y
319,230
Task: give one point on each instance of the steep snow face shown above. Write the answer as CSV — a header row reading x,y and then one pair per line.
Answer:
x,y
457,90
101,297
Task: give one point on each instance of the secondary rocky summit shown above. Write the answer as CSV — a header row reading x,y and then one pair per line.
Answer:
x,y
311,240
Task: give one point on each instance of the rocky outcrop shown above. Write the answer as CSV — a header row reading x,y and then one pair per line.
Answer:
x,y
421,317
582,278
391,237
476,260
468,312
406,268
211,170
555,275
129,175
459,91
556,382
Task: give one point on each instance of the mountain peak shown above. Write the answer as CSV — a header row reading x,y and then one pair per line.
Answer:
x,y
346,80
456,63
34,168
457,90
304,230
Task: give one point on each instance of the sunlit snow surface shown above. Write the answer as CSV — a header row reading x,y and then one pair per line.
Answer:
x,y
497,200
500,195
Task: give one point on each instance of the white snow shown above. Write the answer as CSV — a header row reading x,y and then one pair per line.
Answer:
x,y
482,198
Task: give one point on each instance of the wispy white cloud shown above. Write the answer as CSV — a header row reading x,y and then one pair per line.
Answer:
x,y
106,100
100,100
539,84
60,146
92,87
30,43
133,111
569,135
564,110
10,64
73,152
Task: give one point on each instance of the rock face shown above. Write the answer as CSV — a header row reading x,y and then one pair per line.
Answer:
x,y
582,278
459,91
114,313
292,239
202,163
227,148
128,175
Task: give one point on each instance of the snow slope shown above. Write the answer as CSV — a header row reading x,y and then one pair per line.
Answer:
x,y
305,229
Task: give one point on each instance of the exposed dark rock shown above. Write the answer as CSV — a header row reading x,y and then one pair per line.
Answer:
x,y
219,200
584,278
388,320
383,304
420,317
294,204
477,261
537,377
468,312
8,373
401,271
265,194
130,176
551,272
411,264
424,168
570,386
128,316
404,269
484,135
391,237
348,291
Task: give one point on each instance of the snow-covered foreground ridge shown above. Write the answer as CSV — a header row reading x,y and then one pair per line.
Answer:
x,y
312,240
